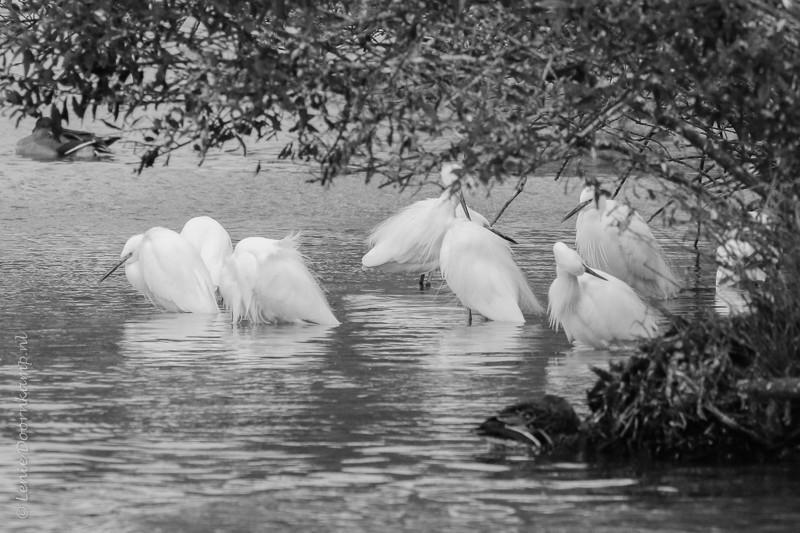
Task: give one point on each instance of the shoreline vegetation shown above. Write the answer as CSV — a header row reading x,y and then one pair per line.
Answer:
x,y
700,98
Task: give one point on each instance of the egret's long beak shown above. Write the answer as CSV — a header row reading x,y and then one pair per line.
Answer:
x,y
593,273
509,239
577,208
119,264
464,205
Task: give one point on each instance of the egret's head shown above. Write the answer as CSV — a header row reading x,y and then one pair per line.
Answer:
x,y
131,248
567,259
588,193
592,196
450,173
570,263
130,252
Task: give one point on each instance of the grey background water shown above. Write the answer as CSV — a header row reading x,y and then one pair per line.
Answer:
x,y
146,421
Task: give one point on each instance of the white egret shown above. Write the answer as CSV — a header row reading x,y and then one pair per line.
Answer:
x,y
212,241
610,236
594,307
737,260
736,255
410,240
266,280
479,268
168,271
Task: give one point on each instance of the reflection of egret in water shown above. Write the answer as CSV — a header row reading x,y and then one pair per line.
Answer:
x,y
489,338
401,323
179,339
570,375
278,346
190,339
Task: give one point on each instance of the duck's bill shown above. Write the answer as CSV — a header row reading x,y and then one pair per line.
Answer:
x,y
112,269
509,239
577,209
593,273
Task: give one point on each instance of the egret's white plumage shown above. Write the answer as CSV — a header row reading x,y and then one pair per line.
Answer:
x,y
266,280
212,241
168,271
610,236
732,258
737,260
410,240
736,255
479,268
593,311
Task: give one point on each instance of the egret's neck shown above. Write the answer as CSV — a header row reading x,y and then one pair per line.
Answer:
x,y
569,286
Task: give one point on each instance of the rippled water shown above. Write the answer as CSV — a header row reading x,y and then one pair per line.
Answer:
x,y
145,421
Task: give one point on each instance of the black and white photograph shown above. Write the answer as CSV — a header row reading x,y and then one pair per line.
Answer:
x,y
400,266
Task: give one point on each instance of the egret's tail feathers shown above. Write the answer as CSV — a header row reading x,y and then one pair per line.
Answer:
x,y
291,241
286,291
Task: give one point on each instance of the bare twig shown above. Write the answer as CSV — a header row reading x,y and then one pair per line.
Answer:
x,y
563,166
520,185
660,210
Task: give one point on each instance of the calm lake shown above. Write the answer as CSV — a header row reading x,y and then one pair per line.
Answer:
x,y
142,421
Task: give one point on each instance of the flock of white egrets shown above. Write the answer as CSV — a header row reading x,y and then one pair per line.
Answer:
x,y
595,297
261,280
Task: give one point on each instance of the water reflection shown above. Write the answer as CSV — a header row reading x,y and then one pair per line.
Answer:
x,y
173,338
570,374
190,338
488,338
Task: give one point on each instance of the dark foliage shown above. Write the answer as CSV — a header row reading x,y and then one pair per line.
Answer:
x,y
689,398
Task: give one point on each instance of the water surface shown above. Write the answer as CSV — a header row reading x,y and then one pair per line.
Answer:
x,y
146,421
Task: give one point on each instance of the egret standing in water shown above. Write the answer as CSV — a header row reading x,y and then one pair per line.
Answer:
x,y
610,236
594,307
168,271
478,266
410,240
212,241
266,280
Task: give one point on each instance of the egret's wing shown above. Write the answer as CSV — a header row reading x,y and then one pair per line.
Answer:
x,y
410,239
478,266
236,293
212,241
592,242
613,309
175,275
287,291
642,253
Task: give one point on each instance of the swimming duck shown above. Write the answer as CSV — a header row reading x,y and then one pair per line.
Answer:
x,y
547,423
49,140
